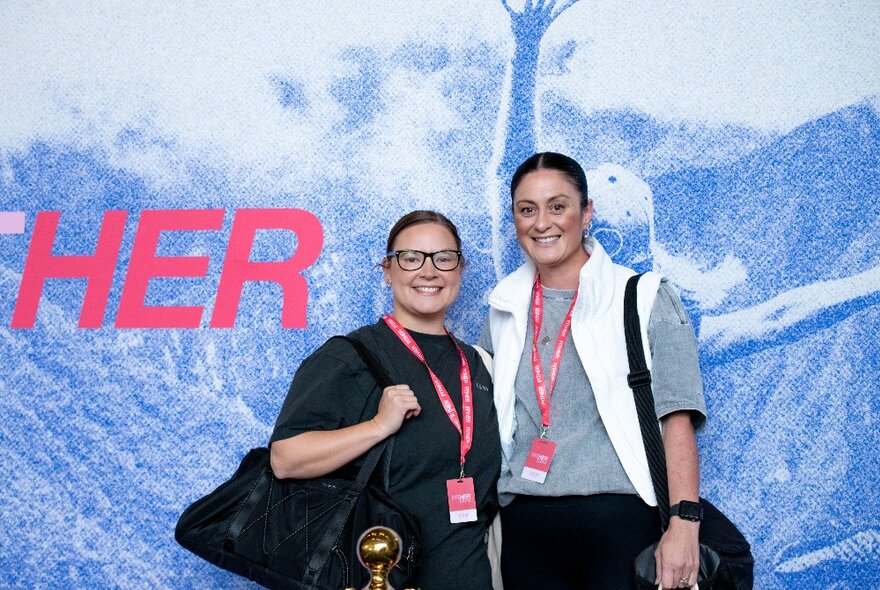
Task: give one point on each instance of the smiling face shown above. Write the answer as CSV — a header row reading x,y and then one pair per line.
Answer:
x,y
421,297
550,224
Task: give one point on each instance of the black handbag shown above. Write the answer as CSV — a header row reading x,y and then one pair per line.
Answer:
x,y
300,534
726,561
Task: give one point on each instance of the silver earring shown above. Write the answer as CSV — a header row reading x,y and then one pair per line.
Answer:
x,y
587,231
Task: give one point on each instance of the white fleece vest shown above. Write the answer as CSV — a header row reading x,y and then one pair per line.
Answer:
x,y
597,332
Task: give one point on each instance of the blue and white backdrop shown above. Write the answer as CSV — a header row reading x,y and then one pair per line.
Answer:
x,y
193,196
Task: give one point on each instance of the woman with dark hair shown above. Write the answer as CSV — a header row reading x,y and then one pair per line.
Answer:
x,y
335,412
577,500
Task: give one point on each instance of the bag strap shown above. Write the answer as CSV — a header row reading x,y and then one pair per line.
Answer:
x,y
384,381
639,380
371,361
372,458
246,509
322,549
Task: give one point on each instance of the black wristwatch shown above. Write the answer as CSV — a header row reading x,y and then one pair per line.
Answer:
x,y
692,511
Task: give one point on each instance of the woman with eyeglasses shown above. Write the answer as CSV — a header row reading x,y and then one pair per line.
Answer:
x,y
577,500
441,408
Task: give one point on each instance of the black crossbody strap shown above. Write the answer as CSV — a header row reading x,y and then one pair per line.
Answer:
x,y
639,379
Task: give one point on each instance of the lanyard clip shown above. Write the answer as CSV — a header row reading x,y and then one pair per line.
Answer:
x,y
461,473
544,430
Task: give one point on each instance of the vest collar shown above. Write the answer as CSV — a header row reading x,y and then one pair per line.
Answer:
x,y
595,290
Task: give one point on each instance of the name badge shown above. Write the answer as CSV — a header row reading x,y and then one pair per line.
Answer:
x,y
462,500
538,461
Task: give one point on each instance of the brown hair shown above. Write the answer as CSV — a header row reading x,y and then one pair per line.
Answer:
x,y
419,217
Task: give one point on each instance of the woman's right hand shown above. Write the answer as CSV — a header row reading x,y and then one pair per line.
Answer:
x,y
318,452
397,404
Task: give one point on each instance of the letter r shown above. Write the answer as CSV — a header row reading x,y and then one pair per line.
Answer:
x,y
238,269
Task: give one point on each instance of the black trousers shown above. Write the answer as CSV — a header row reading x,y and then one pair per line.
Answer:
x,y
574,542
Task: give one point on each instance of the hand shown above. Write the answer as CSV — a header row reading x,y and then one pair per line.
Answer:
x,y
678,554
397,404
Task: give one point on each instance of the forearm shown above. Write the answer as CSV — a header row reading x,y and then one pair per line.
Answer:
x,y
682,459
677,555
317,453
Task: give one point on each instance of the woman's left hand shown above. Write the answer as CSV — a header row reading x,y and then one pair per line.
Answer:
x,y
678,554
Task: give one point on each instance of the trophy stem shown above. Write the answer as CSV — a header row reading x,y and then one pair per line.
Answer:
x,y
379,579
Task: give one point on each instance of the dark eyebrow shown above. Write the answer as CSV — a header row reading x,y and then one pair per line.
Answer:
x,y
553,198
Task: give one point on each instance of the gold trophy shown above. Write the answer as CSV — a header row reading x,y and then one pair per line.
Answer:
x,y
379,551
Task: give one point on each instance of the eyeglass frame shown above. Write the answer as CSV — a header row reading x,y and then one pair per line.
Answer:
x,y
396,254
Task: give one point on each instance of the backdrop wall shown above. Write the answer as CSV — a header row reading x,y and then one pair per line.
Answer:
x,y
225,177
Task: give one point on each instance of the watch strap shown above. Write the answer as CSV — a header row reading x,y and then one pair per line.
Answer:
x,y
687,510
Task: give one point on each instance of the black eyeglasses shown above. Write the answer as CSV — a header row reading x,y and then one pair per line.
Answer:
x,y
414,259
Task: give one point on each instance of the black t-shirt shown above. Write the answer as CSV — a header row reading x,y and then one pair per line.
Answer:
x,y
333,389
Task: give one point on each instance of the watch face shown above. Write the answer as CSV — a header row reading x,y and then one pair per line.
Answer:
x,y
690,510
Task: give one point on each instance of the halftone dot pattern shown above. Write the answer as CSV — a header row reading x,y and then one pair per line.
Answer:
x,y
736,152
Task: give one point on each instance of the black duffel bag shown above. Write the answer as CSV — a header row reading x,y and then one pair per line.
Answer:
x,y
300,534
726,561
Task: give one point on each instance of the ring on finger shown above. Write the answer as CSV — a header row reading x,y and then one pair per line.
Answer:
x,y
684,582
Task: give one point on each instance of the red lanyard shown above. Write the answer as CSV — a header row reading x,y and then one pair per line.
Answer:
x,y
467,399
542,391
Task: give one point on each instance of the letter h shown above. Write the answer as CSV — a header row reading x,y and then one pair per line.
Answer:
x,y
42,265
